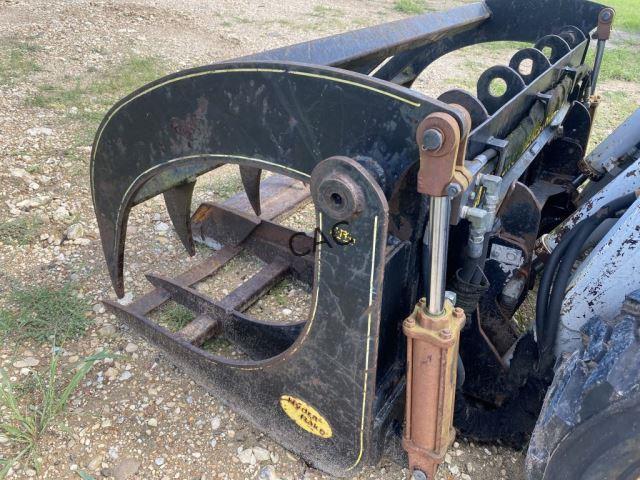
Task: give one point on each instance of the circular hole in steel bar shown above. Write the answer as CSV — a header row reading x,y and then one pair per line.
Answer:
x,y
526,66
497,87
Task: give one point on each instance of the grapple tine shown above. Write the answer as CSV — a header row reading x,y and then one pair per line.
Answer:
x,y
178,202
251,181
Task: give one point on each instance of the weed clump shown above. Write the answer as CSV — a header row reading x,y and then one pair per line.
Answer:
x,y
45,315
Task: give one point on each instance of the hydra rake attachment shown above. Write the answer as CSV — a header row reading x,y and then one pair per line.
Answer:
x,y
412,194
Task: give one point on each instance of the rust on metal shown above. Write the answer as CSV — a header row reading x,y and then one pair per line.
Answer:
x,y
432,355
443,162
605,22
201,329
437,161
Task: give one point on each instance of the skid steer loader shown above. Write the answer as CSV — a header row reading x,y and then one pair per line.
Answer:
x,y
435,220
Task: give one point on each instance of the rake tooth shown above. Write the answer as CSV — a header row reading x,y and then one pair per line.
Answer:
x,y
251,181
178,202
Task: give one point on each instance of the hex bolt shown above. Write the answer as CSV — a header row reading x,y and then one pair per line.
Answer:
x,y
451,296
432,140
445,333
419,475
453,190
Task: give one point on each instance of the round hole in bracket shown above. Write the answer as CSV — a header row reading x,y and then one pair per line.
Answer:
x,y
553,47
338,195
526,67
497,87
469,102
529,63
572,35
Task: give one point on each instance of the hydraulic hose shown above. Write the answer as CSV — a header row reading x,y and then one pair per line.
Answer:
x,y
558,271
562,278
546,282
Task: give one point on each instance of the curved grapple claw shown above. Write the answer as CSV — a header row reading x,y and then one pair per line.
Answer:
x,y
178,202
251,181
259,115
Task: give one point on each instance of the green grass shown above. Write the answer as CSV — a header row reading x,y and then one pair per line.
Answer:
x,y
280,293
27,414
322,11
620,62
410,6
175,316
45,314
16,61
615,107
20,231
497,87
503,46
627,14
88,98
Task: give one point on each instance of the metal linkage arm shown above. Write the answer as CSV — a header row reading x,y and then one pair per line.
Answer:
x,y
362,50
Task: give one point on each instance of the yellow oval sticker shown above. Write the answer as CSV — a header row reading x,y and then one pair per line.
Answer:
x,y
305,416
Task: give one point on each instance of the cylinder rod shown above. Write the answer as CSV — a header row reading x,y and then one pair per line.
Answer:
x,y
439,214
597,64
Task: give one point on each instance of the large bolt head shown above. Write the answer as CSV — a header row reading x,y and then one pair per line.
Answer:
x,y
432,140
339,196
606,15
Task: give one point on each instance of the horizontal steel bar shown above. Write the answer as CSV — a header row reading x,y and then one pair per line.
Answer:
x,y
350,49
259,339
248,292
268,240
512,20
279,195
200,329
207,268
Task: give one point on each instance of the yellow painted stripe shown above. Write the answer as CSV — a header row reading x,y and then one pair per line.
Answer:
x,y
168,82
237,70
356,84
314,309
366,364
188,157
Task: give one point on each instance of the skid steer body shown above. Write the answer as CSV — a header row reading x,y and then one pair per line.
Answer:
x,y
338,114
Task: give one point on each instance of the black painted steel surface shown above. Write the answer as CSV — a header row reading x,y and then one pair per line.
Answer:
x,y
287,111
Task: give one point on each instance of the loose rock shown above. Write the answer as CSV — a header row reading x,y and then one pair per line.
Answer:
x,y
37,131
107,331
75,231
27,363
126,468
261,454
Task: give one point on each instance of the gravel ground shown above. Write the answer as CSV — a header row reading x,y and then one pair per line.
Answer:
x,y
137,416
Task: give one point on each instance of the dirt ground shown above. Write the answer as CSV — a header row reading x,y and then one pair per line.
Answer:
x,y
137,416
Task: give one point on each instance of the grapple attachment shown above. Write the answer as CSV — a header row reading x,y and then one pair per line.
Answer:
x,y
337,114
